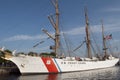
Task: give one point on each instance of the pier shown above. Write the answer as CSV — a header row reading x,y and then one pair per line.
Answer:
x,y
9,70
3,71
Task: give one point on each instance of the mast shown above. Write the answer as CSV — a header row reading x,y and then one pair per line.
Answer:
x,y
87,35
104,41
57,33
55,24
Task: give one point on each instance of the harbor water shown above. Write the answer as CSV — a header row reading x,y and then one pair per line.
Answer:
x,y
112,73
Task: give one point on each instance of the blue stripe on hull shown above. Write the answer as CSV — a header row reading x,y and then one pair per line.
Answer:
x,y
57,65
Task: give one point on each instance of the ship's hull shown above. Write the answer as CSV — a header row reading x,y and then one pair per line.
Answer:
x,y
27,64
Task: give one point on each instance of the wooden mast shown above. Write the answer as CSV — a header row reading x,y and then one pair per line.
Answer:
x,y
104,41
87,35
57,34
55,24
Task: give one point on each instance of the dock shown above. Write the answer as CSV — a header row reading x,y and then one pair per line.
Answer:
x,y
8,70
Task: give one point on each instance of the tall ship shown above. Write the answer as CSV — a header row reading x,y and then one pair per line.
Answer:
x,y
59,64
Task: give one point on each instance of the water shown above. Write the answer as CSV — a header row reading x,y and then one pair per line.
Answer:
x,y
101,74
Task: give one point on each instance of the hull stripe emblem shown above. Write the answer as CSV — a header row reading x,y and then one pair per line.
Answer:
x,y
57,65
50,65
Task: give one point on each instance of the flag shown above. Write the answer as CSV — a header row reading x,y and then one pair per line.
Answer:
x,y
108,37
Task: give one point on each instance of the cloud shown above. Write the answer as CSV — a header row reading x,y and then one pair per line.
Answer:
x,y
112,9
95,29
75,31
25,37
37,49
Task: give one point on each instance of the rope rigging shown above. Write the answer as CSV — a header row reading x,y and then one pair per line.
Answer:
x,y
41,42
94,37
79,46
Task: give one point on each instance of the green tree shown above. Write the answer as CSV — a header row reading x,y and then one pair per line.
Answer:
x,y
44,54
8,51
32,54
20,53
1,54
53,54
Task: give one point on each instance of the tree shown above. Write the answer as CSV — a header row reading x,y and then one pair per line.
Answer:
x,y
8,51
32,54
44,54
20,53
1,54
53,54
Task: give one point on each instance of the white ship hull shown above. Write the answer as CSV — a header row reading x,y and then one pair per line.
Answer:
x,y
28,64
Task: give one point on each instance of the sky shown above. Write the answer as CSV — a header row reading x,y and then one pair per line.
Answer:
x,y
21,22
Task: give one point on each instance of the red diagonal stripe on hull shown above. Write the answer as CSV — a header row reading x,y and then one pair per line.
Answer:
x,y
50,65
